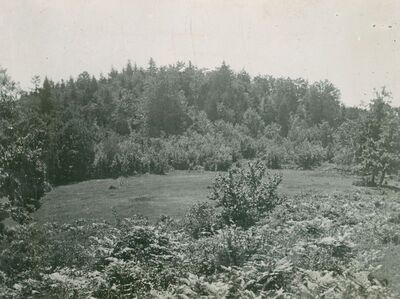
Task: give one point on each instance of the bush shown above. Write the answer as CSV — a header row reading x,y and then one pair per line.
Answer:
x,y
274,156
201,220
220,159
308,155
156,158
105,153
230,246
244,195
124,279
209,151
214,150
129,156
22,179
141,243
344,157
248,147
50,246
129,159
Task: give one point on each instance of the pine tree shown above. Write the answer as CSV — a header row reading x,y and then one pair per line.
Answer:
x,y
380,145
46,103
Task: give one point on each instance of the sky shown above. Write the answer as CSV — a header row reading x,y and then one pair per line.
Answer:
x,y
355,44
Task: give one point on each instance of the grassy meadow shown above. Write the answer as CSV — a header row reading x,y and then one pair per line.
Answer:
x,y
155,195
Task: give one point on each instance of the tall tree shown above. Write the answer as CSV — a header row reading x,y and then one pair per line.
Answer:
x,y
380,143
321,103
45,96
22,173
167,104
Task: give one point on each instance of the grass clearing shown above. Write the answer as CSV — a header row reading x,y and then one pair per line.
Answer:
x,y
155,195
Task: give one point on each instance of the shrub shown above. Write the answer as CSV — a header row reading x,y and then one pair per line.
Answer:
x,y
220,159
22,179
124,279
156,162
308,155
244,195
248,147
50,246
230,246
274,156
201,220
129,158
344,159
215,150
141,243
211,151
105,152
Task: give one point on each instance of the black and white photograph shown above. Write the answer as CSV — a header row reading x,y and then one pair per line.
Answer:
x,y
187,149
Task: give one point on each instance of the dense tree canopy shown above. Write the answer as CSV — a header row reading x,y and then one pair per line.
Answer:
x,y
186,116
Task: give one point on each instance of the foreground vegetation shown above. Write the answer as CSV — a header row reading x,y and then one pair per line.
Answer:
x,y
309,245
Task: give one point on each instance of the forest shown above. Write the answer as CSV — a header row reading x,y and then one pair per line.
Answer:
x,y
248,239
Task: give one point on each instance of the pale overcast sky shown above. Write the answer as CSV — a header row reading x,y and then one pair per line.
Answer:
x,y
353,43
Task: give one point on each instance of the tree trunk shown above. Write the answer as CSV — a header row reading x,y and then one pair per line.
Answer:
x,y
372,181
382,177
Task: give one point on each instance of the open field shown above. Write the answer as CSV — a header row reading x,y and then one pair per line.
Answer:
x,y
155,195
